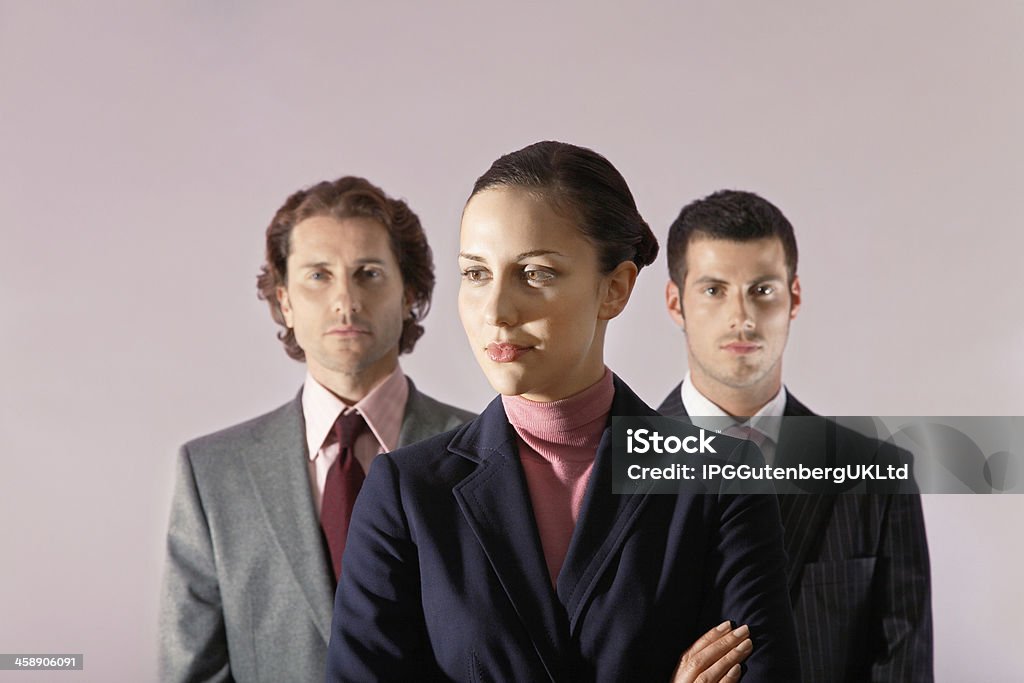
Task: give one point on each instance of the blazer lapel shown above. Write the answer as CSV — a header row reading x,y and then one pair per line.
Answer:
x,y
803,515
496,503
605,519
277,467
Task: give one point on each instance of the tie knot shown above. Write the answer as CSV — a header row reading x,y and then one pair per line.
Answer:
x,y
347,428
747,433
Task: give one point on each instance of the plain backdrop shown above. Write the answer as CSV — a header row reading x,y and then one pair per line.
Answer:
x,y
145,146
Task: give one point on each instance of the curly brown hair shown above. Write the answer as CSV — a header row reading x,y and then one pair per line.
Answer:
x,y
351,197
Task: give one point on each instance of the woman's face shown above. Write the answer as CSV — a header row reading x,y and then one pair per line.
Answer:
x,y
533,300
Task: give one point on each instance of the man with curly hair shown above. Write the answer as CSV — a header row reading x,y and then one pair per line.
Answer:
x,y
260,510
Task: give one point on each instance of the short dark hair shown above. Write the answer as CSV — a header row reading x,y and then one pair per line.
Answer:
x,y
728,215
351,197
587,186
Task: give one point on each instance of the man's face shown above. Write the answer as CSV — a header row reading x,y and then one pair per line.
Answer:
x,y
736,309
344,298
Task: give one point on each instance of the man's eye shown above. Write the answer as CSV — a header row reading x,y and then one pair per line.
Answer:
x,y
475,275
318,275
764,290
538,276
712,291
371,273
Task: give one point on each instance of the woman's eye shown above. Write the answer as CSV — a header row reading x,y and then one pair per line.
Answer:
x,y
474,275
371,273
537,275
318,275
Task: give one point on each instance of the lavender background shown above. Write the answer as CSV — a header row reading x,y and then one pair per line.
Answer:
x,y
145,146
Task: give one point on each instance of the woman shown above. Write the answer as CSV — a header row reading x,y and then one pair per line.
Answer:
x,y
497,552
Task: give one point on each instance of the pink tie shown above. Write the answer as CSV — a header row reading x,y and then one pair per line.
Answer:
x,y
344,479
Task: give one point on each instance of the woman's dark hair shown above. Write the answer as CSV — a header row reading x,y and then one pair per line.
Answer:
x,y
584,184
351,197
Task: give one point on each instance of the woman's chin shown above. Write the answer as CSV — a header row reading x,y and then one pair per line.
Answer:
x,y
507,381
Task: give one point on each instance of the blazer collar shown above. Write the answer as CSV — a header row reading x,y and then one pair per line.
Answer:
x,y
495,500
277,467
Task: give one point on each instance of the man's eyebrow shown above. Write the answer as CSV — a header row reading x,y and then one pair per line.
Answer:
x,y
519,257
709,280
712,280
367,261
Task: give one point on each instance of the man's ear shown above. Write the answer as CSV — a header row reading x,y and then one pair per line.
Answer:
x,y
286,306
795,297
618,286
674,304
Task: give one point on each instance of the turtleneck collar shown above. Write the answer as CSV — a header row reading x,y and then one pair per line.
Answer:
x,y
559,428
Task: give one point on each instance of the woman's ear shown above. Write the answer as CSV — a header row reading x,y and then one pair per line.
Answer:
x,y
617,287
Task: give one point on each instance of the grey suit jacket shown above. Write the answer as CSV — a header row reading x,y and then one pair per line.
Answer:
x,y
248,590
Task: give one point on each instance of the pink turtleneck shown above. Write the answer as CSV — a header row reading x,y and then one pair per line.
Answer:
x,y
557,445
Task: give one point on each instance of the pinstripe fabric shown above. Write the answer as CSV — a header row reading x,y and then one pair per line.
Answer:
x,y
859,574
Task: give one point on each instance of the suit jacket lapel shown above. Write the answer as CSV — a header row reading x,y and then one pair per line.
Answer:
x,y
277,467
803,515
421,418
496,503
605,519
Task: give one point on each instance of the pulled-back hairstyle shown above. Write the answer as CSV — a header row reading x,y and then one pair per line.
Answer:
x,y
584,185
728,215
351,197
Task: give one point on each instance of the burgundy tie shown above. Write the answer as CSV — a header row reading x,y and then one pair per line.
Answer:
x,y
344,479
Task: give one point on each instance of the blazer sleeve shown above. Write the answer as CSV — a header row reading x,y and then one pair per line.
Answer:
x,y
902,596
193,641
378,632
750,585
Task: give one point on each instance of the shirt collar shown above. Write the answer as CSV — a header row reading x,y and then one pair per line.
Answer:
x,y
382,408
705,413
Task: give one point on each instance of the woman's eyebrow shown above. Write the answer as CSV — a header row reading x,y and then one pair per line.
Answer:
x,y
518,257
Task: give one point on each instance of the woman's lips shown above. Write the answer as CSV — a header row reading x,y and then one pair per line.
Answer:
x,y
505,353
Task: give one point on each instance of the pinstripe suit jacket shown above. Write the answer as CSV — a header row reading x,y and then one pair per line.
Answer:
x,y
248,589
859,576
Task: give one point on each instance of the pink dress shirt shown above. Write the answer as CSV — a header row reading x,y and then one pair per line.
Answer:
x,y
382,408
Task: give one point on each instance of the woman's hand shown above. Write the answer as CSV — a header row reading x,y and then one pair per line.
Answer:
x,y
716,656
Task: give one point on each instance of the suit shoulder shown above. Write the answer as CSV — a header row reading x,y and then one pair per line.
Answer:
x,y
229,439
453,415
430,462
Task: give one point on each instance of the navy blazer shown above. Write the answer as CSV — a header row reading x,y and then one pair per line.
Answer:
x,y
444,577
858,568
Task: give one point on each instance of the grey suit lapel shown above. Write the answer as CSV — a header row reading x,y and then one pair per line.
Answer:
x,y
424,417
277,467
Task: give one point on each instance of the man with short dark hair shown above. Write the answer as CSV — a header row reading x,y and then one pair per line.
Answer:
x,y
260,511
858,563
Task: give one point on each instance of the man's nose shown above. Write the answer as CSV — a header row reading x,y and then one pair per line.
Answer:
x,y
740,317
346,297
